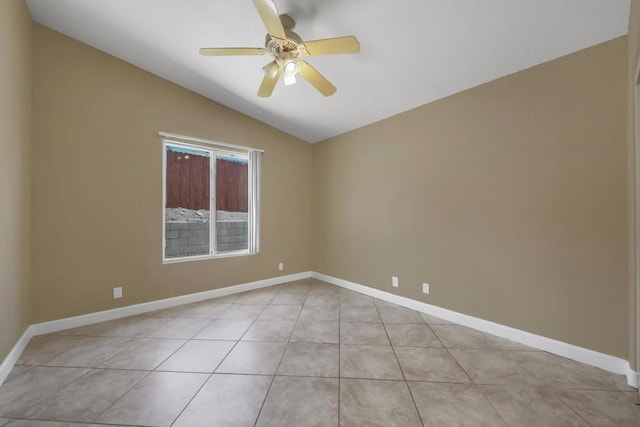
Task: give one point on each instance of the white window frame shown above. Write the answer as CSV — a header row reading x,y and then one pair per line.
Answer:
x,y
253,214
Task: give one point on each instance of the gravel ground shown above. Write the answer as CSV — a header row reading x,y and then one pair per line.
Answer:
x,y
201,215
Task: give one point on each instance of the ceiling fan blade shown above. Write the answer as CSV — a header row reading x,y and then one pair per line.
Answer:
x,y
336,45
316,79
271,76
269,15
231,51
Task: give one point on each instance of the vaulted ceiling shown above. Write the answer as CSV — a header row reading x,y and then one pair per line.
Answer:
x,y
412,51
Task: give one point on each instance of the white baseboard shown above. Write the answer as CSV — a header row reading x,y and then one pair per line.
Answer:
x,y
580,354
117,313
590,357
7,364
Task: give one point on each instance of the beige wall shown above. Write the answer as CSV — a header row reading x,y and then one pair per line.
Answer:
x,y
97,184
15,149
509,198
633,58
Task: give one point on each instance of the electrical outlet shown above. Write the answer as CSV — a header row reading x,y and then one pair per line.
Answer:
x,y
117,293
281,266
394,281
425,288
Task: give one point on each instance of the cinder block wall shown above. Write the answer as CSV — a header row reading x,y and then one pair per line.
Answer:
x,y
192,238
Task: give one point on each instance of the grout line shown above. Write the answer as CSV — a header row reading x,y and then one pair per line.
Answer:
x,y
221,360
399,365
273,378
450,354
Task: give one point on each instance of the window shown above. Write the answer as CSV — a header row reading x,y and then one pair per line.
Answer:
x,y
211,201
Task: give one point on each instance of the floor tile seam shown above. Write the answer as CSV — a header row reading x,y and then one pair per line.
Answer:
x,y
451,354
118,399
555,388
132,343
273,378
575,411
184,408
39,419
190,338
215,369
239,339
53,357
400,366
48,396
495,409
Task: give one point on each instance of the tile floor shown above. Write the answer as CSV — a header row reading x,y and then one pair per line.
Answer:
x,y
304,353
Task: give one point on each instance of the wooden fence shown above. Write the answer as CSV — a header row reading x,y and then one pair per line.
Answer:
x,y
188,183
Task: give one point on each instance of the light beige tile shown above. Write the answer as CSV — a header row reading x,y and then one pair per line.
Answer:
x,y
155,401
36,423
43,348
349,298
363,333
280,312
319,299
209,309
180,328
382,303
301,402
260,358
610,380
143,354
527,406
138,326
604,408
19,395
374,403
306,359
461,405
316,331
454,336
92,353
430,364
399,315
226,400
224,329
295,297
198,356
533,368
327,313
256,297
359,314
369,361
135,326
16,372
242,312
411,335
85,398
433,320
270,330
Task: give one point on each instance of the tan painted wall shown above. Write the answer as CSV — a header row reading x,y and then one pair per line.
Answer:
x,y
98,184
15,152
633,58
509,198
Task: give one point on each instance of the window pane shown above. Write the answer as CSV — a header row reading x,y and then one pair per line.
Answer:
x,y
188,201
232,200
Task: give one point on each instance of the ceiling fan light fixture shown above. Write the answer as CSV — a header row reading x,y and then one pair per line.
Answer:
x,y
290,71
289,79
291,68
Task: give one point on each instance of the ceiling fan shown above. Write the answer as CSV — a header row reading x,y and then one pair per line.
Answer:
x,y
287,47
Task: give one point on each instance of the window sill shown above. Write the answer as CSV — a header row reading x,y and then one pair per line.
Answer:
x,y
205,257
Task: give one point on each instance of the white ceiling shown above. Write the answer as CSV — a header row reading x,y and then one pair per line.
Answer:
x,y
412,51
